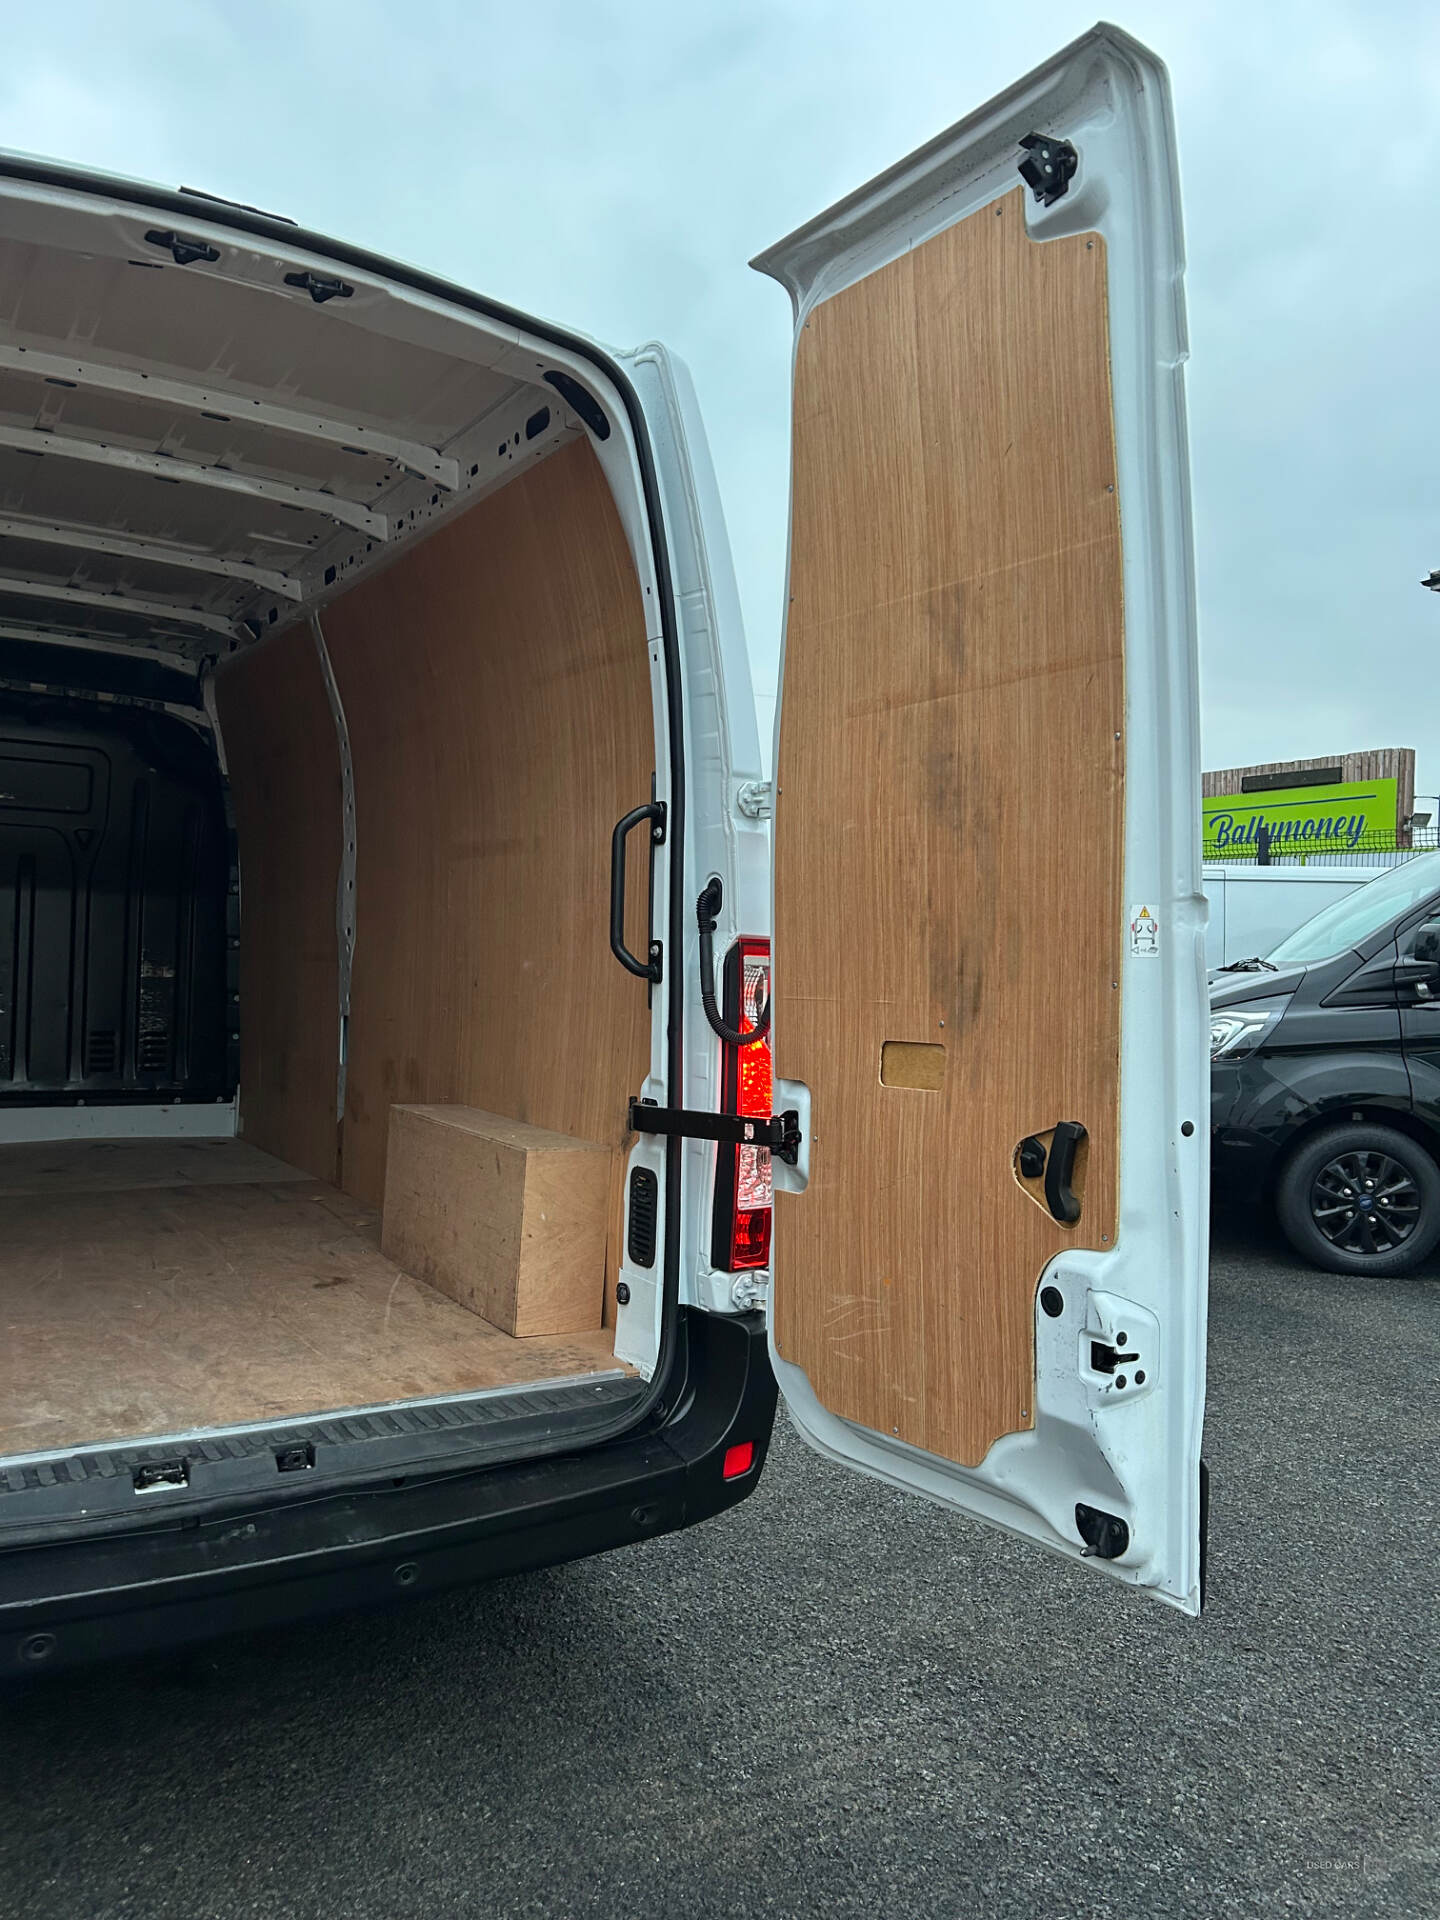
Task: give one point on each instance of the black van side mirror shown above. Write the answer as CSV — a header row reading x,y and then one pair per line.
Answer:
x,y
1414,975
1417,972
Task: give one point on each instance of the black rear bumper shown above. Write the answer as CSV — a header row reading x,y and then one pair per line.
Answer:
x,y
135,1592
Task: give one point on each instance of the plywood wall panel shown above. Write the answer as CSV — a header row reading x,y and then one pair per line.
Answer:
x,y
496,688
950,818
284,764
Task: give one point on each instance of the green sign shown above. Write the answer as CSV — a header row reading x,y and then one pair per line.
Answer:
x,y
1301,819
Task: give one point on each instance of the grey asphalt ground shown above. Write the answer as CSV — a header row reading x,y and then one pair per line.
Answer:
x,y
834,1700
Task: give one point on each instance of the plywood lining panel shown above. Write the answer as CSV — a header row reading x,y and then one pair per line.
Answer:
x,y
284,764
497,691
950,831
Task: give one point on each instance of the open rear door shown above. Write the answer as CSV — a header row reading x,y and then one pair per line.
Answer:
x,y
989,1268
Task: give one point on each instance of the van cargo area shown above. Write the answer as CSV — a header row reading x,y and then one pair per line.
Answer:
x,y
159,1287
325,674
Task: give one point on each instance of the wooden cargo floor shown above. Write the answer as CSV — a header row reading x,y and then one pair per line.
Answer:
x,y
154,1286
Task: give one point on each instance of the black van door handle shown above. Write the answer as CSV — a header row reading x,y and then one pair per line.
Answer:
x,y
651,967
1060,1170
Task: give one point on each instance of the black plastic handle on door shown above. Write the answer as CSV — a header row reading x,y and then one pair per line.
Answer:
x,y
653,811
1060,1170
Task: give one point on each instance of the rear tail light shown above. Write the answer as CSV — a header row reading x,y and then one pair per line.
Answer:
x,y
744,1193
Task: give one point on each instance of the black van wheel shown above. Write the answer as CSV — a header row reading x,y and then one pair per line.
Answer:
x,y
1361,1199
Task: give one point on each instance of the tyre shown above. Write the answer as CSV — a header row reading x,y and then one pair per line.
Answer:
x,y
1361,1199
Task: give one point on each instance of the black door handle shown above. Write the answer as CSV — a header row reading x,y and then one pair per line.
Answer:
x,y
1060,1170
653,811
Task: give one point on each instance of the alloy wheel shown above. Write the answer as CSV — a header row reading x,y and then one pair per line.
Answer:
x,y
1365,1202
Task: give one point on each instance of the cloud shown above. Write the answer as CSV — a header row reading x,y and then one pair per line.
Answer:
x,y
615,165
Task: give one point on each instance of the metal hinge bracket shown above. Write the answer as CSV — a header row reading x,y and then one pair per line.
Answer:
x,y
750,1292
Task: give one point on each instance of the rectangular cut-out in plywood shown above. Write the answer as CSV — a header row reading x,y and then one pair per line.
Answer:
x,y
913,1064
950,822
284,764
496,686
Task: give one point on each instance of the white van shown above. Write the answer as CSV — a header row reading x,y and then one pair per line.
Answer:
x,y
1253,908
388,1142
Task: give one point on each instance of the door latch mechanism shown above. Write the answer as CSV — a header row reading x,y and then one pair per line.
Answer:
x,y
1119,1347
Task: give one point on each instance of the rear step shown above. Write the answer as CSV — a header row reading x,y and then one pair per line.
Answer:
x,y
168,1475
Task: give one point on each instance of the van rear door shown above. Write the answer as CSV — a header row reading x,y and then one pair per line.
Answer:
x,y
989,1266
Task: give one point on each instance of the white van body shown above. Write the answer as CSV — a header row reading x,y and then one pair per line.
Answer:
x,y
990,1235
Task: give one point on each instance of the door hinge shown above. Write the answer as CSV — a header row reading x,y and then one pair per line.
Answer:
x,y
781,1133
755,799
750,1292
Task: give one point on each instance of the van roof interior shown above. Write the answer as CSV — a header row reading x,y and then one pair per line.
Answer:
x,y
191,456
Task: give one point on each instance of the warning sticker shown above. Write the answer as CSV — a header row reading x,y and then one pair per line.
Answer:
x,y
1144,931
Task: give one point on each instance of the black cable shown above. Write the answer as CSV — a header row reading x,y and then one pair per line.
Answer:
x,y
706,908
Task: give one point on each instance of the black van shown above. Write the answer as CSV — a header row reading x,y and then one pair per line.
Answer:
x,y
1326,1077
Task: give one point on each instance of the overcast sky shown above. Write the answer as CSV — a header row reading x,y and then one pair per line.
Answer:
x,y
615,165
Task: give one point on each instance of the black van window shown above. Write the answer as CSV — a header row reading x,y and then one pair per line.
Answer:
x,y
1347,923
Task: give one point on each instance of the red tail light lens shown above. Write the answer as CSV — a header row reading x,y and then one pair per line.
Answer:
x,y
744,1191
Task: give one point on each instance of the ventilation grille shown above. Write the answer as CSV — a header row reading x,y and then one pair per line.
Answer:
x,y
100,1050
644,1205
154,1050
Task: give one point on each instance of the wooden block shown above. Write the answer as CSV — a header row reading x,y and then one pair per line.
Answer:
x,y
510,1220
